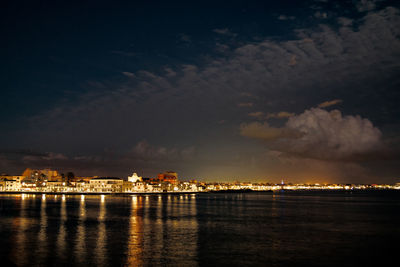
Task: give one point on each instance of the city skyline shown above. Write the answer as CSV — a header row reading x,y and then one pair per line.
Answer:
x,y
304,91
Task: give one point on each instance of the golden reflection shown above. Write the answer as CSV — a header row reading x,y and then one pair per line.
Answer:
x,y
135,241
158,230
182,220
101,243
80,246
42,237
20,252
62,233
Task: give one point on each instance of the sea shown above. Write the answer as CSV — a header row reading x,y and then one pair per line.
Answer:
x,y
283,228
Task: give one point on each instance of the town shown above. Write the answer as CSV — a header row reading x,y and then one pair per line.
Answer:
x,y
52,181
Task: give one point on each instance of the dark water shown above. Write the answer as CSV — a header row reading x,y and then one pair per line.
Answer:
x,y
262,229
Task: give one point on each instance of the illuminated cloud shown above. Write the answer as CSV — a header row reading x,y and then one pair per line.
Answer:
x,y
257,114
280,115
330,103
265,132
293,61
319,134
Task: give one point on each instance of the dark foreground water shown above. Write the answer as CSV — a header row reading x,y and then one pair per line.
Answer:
x,y
264,229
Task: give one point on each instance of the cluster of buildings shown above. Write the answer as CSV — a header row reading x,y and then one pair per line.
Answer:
x,y
47,180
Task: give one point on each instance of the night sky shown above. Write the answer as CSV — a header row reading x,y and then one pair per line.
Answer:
x,y
305,91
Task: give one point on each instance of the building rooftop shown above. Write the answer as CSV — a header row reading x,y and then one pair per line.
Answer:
x,y
107,178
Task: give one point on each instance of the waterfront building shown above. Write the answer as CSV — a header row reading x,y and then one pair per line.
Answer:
x,y
10,185
106,184
127,186
54,186
42,175
168,176
82,185
134,178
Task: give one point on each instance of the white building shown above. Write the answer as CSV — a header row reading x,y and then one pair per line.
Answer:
x,y
106,185
10,185
134,178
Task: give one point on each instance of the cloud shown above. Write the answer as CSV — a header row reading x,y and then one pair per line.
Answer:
x,y
245,104
320,134
257,114
330,103
225,31
185,38
321,15
280,115
293,61
284,17
265,132
144,151
128,74
145,157
221,47
366,5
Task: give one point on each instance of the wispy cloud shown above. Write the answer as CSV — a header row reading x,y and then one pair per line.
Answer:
x,y
330,103
225,31
279,115
284,17
128,74
245,104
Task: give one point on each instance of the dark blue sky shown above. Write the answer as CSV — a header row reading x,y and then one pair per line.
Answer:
x,y
305,90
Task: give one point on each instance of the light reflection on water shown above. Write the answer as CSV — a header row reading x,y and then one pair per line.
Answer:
x,y
61,236
101,242
91,230
80,246
190,230
42,246
135,240
22,222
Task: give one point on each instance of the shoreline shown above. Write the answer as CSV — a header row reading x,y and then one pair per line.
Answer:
x,y
280,191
